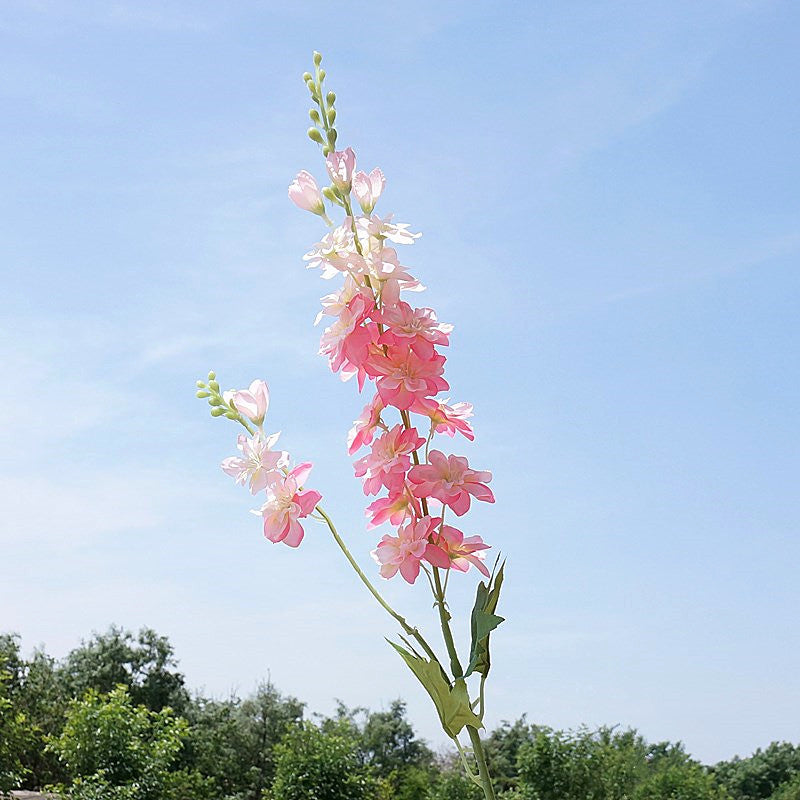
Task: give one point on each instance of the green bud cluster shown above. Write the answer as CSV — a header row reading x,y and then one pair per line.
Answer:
x,y
323,116
220,407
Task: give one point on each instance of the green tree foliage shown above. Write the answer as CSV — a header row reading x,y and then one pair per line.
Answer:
x,y
147,739
502,751
452,784
759,776
145,663
12,735
789,790
686,782
389,743
609,765
316,764
233,741
112,748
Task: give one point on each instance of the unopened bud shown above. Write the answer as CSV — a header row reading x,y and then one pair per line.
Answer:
x,y
217,412
331,98
322,74
330,193
214,401
326,150
317,58
307,77
314,114
201,394
231,415
331,116
332,136
315,135
200,385
214,386
212,375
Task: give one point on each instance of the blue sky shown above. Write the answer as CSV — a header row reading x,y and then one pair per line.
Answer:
x,y
608,195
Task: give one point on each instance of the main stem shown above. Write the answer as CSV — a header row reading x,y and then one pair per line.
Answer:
x,y
455,663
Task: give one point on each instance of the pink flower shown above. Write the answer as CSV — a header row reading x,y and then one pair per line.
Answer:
x,y
287,503
415,327
376,228
341,164
404,551
451,549
346,342
363,429
252,402
402,377
445,418
368,188
259,465
305,194
450,480
335,253
396,509
333,304
389,460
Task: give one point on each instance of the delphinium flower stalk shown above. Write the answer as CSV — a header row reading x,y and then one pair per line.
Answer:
x,y
394,350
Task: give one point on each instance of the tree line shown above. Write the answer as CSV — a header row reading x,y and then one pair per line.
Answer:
x,y
115,721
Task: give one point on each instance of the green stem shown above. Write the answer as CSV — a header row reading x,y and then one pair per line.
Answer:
x,y
480,757
444,619
409,629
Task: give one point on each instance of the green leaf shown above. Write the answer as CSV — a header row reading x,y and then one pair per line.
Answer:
x,y
452,703
484,621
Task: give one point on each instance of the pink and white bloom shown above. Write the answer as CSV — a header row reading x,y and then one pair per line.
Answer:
x,y
368,188
252,402
414,327
402,377
305,194
395,509
335,253
346,342
333,304
458,552
379,229
364,427
387,463
445,418
288,503
404,552
450,480
259,465
341,164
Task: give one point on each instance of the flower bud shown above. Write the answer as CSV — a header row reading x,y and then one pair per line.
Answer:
x,y
314,114
307,77
315,135
317,58
331,98
212,375
304,193
368,188
252,402
217,412
201,394
341,164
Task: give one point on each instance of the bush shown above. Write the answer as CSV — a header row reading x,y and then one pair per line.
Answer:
x,y
114,749
311,764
